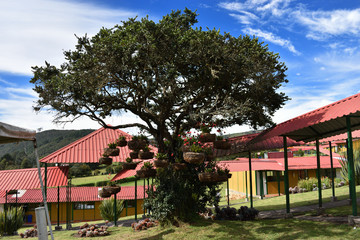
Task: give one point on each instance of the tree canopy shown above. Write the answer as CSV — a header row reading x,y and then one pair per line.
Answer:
x,y
170,74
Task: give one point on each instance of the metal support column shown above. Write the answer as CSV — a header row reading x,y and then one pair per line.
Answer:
x,y
135,198
351,171
246,186
228,193
45,178
286,176
144,198
278,181
115,215
250,180
58,205
332,172
318,172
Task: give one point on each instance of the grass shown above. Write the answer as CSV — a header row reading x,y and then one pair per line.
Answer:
x,y
91,179
207,229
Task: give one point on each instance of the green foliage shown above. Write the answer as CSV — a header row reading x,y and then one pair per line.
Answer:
x,y
122,138
147,165
161,156
14,220
310,183
129,160
112,145
196,148
300,153
344,166
109,170
107,209
100,183
96,172
80,170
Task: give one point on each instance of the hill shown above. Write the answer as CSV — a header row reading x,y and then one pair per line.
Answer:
x,y
21,155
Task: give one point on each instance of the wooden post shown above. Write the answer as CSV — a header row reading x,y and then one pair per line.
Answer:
x,y
286,176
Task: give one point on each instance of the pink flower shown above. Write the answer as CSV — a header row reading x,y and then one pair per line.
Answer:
x,y
172,154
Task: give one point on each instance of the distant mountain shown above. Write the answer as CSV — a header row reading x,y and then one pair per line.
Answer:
x,y
47,142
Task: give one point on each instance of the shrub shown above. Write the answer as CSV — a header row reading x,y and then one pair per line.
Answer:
x,y
311,182
14,220
243,214
96,172
107,209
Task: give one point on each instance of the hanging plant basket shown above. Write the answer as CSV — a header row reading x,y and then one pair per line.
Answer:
x,y
207,137
104,194
134,155
121,143
146,173
136,145
112,151
222,145
112,189
179,166
146,155
193,157
209,157
127,166
161,163
185,148
105,160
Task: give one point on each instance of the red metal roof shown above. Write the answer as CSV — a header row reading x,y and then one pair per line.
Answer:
x,y
28,178
342,137
89,148
304,148
277,164
78,194
129,172
322,122
279,154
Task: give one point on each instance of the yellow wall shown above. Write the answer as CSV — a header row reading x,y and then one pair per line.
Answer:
x,y
84,214
237,182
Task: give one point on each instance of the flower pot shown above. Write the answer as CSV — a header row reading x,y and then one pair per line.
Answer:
x,y
212,177
222,145
105,160
134,155
207,137
145,155
112,151
221,177
112,189
146,173
161,163
179,166
104,194
193,157
127,165
136,145
121,143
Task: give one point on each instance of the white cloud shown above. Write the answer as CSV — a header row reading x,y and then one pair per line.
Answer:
x,y
342,61
273,7
247,18
272,38
324,23
39,30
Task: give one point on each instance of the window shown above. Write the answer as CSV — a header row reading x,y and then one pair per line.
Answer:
x,y
271,176
87,205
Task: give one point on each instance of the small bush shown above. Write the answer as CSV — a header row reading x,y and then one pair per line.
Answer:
x,y
96,172
107,209
14,220
309,183
242,214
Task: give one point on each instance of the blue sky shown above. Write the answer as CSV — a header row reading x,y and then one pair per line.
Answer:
x,y
318,41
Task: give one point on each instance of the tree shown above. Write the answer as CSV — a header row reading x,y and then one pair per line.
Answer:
x,y
170,74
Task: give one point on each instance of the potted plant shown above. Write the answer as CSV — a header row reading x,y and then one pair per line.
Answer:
x,y
220,143
129,164
112,150
137,142
208,176
161,160
145,153
105,159
179,165
205,135
222,174
146,171
134,155
112,188
103,193
196,154
121,141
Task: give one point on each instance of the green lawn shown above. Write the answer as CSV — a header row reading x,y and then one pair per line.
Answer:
x,y
91,179
207,229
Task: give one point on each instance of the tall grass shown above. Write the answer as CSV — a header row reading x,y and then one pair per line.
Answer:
x,y
14,220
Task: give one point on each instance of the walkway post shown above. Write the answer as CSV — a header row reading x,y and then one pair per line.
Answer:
x,y
228,193
261,184
318,171
135,198
332,173
45,180
115,217
58,205
246,186
351,171
286,176
144,198
250,180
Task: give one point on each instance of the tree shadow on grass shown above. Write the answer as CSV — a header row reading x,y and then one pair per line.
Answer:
x,y
159,235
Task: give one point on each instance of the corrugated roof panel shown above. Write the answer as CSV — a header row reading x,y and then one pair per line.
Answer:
x,y
323,122
28,178
90,148
78,194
